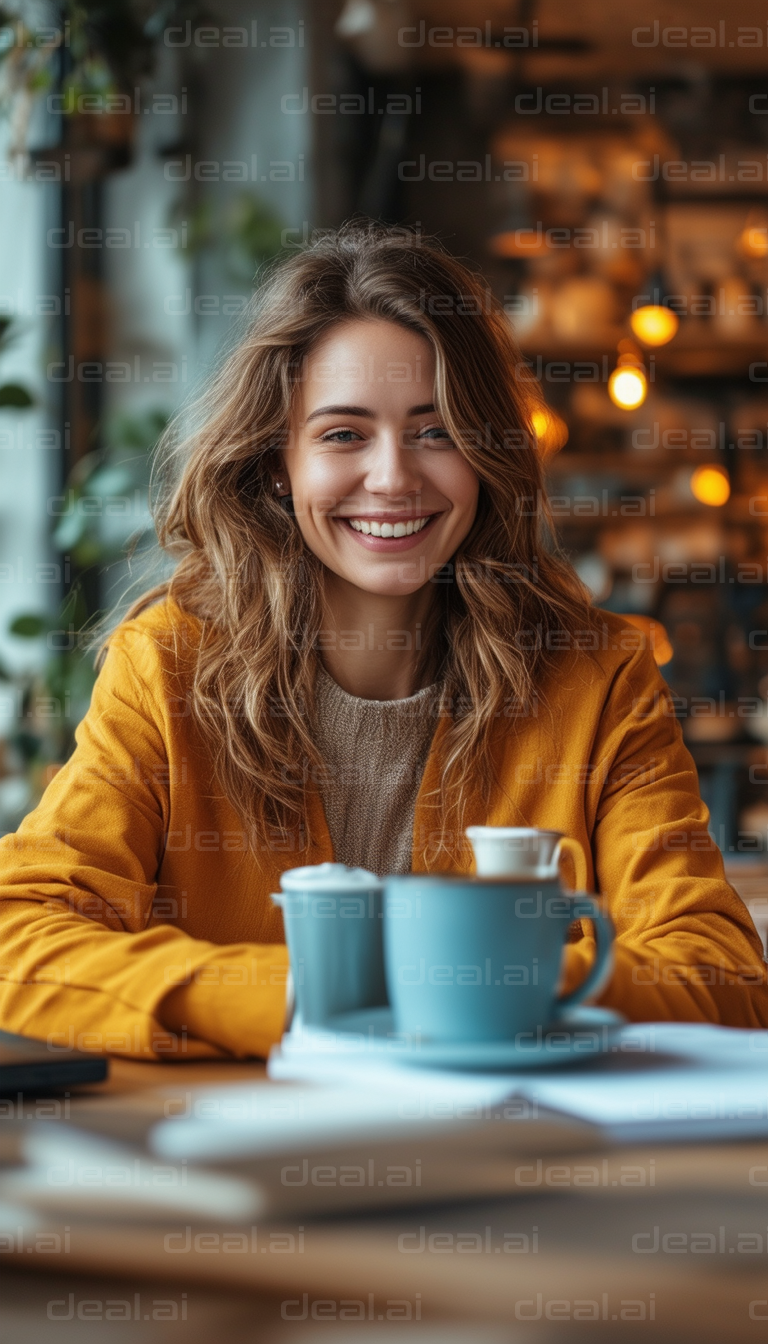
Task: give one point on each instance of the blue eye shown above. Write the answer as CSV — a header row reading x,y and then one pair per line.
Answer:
x,y
340,436
436,434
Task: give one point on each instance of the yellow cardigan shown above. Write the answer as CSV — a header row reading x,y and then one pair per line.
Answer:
x,y
133,875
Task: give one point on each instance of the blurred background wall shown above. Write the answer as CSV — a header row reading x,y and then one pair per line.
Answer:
x,y
605,166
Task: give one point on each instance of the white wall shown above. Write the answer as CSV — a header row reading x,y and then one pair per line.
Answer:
x,y
234,109
28,460
236,118
172,310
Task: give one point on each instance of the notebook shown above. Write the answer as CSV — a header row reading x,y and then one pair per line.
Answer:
x,y
33,1066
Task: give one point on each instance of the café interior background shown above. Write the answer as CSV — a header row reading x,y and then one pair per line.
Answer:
x,y
605,165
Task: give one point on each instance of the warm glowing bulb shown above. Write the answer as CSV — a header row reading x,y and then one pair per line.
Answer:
x,y
754,241
550,430
710,485
627,387
653,324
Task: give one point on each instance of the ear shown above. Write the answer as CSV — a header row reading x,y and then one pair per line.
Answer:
x,y
275,459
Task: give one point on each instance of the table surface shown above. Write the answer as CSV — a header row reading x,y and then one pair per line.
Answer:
x,y
129,1077
681,1254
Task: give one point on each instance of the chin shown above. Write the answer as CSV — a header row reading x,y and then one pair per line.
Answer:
x,y
385,589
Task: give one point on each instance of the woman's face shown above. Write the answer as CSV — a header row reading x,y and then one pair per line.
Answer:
x,y
382,496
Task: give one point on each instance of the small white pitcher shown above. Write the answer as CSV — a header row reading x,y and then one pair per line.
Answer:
x,y
524,851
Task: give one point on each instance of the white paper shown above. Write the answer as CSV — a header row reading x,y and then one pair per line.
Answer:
x,y
661,1106
82,1173
663,1081
261,1119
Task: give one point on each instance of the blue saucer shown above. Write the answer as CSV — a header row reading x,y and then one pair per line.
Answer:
x,y
581,1034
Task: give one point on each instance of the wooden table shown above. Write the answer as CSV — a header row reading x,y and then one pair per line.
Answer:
x,y
750,879
655,1243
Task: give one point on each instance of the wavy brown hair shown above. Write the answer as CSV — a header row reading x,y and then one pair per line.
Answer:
x,y
246,573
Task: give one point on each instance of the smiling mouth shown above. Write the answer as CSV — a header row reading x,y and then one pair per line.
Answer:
x,y
375,527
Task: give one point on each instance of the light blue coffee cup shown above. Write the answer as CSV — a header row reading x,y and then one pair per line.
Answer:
x,y
479,959
332,917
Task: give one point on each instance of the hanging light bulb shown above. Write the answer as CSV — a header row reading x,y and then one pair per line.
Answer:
x,y
551,431
753,239
654,324
628,386
754,242
710,485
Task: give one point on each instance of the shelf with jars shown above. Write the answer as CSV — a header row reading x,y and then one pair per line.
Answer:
x,y
641,306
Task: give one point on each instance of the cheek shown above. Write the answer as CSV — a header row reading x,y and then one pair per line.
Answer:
x,y
323,484
460,484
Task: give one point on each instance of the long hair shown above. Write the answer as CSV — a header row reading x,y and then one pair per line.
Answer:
x,y
245,572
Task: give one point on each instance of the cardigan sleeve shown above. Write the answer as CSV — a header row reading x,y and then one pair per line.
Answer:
x,y
686,946
79,963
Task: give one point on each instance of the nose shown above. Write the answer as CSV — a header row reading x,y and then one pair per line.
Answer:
x,y
392,468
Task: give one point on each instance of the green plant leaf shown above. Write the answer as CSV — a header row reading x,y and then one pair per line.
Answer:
x,y
16,396
254,234
40,81
30,625
89,551
138,431
28,745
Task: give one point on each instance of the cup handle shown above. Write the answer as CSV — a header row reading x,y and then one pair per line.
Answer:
x,y
600,973
276,897
567,845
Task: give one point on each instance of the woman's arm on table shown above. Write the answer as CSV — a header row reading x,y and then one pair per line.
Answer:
x,y
78,965
686,946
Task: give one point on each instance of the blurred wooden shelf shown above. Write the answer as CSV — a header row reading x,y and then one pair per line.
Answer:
x,y
728,753
694,353
624,464
646,461
704,356
735,516
749,878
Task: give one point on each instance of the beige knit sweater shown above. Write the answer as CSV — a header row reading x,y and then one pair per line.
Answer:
x,y
374,753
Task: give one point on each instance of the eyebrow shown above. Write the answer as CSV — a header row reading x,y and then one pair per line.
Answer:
x,y
425,409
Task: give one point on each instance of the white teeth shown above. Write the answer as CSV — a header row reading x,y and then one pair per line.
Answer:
x,y
375,529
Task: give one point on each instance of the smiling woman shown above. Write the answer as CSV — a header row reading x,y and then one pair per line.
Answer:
x,y
369,643
355,396
381,493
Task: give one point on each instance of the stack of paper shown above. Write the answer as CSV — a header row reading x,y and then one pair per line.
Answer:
x,y
260,1151
657,1082
387,1135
